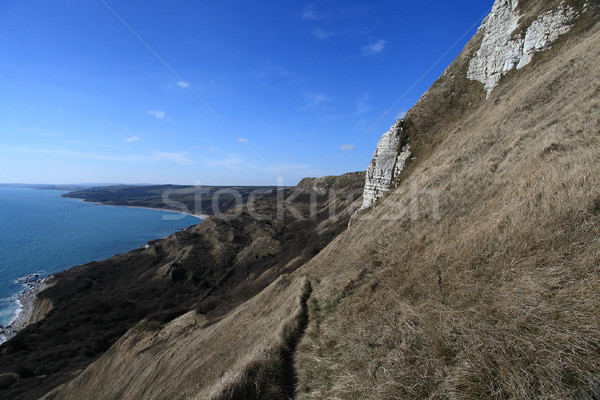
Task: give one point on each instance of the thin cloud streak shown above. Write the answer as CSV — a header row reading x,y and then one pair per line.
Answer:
x,y
176,75
232,163
315,101
374,48
269,70
157,114
310,14
152,158
322,34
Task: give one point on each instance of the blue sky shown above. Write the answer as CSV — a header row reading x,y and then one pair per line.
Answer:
x,y
221,92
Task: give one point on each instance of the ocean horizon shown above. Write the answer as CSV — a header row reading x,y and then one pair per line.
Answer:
x,y
44,233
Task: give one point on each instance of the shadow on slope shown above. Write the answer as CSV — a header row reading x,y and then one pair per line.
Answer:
x,y
212,268
239,357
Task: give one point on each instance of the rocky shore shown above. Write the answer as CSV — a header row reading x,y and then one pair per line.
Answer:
x,y
33,284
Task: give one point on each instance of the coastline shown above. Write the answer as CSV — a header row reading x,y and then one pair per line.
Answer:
x,y
26,304
199,216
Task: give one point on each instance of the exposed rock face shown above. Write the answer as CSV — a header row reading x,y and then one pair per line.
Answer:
x,y
41,307
401,160
545,30
386,164
502,51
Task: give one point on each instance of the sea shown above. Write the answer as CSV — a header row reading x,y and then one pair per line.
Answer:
x,y
44,233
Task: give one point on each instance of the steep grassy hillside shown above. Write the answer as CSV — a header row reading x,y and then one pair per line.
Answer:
x,y
191,359
478,276
210,268
475,277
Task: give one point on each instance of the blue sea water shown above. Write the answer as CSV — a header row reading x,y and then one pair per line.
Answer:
x,y
41,232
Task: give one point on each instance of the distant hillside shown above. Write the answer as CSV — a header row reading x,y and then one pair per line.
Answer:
x,y
199,200
43,187
471,271
210,268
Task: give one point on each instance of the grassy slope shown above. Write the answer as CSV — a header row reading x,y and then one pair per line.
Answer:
x,y
211,267
498,298
189,360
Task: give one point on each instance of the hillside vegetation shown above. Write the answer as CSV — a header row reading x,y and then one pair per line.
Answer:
x,y
209,268
475,277
493,294
198,200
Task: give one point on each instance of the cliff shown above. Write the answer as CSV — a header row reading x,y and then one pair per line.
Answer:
x,y
472,273
388,163
502,49
474,276
506,41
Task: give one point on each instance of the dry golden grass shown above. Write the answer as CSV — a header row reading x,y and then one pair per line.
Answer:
x,y
237,357
496,299
499,297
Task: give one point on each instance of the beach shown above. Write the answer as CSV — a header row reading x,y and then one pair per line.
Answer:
x,y
26,303
200,216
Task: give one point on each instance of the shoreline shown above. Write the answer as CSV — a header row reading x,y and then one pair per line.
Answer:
x,y
199,216
26,303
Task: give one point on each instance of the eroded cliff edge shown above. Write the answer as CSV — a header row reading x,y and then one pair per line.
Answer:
x,y
488,299
508,40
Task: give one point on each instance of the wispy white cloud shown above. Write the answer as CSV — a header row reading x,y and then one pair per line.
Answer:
x,y
177,158
283,169
323,34
347,147
401,114
132,139
231,162
157,114
354,11
315,101
362,105
152,158
242,140
268,70
236,162
45,132
183,84
310,14
213,149
374,47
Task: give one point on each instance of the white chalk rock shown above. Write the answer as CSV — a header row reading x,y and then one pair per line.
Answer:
x,y
386,164
502,50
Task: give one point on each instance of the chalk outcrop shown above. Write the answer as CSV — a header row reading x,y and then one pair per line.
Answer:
x,y
388,162
503,49
505,46
545,30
